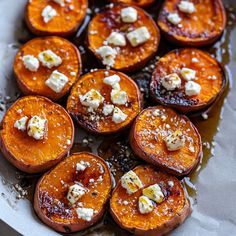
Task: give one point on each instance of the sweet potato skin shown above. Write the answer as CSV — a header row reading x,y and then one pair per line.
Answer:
x,y
95,80
23,164
24,77
41,30
140,3
168,161
207,66
159,229
129,58
60,225
205,10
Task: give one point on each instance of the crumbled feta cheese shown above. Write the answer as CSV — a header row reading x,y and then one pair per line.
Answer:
x,y
112,80
171,82
57,81
48,13
108,55
129,15
49,59
175,141
75,192
37,127
68,142
131,182
119,97
188,74
73,73
81,166
85,213
30,62
60,2
21,123
118,116
154,193
138,36
170,183
174,18
194,59
116,39
186,7
92,99
107,109
204,116
145,205
192,88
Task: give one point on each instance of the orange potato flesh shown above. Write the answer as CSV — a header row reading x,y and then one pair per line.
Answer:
x,y
148,140
199,28
33,83
25,152
128,58
206,68
51,202
165,216
64,24
141,3
105,125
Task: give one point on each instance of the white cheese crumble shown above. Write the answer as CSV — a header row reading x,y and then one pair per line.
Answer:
x,y
174,18
192,88
118,116
81,166
113,81
107,109
37,127
92,99
138,36
48,13
154,193
116,39
171,82
60,2
57,81
75,192
129,15
188,74
194,59
108,55
131,182
85,213
21,123
30,62
119,97
175,141
186,7
49,59
145,205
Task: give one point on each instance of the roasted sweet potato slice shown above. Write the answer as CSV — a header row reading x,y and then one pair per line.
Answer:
x,y
21,142
100,119
141,3
32,78
60,18
165,216
199,24
166,139
51,200
128,57
204,71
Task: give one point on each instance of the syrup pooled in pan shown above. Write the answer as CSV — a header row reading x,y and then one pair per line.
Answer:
x,y
116,150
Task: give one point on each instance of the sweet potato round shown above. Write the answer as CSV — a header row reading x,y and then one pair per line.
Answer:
x,y
165,217
140,3
200,28
94,80
128,58
64,24
26,153
147,140
205,68
33,83
51,204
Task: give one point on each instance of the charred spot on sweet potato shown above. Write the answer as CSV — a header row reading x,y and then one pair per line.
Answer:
x,y
166,215
128,58
66,22
96,121
148,135
209,75
200,28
